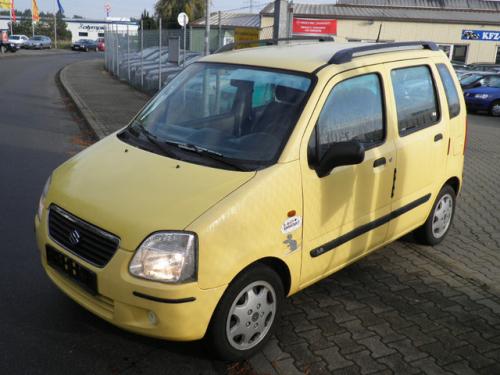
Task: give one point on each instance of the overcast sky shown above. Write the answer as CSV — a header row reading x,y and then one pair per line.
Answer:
x,y
133,8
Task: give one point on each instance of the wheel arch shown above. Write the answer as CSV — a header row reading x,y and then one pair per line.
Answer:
x,y
455,183
277,265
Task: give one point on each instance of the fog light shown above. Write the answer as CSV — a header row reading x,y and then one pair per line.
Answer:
x,y
152,318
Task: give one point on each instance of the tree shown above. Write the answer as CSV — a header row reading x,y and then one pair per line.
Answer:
x,y
168,10
148,21
44,27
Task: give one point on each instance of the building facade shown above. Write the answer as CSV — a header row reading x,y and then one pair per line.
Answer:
x,y
93,29
82,28
467,30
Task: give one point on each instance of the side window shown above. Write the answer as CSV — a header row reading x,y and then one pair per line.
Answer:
x,y
450,89
416,102
353,111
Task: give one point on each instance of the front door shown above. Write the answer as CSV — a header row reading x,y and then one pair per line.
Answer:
x,y
344,211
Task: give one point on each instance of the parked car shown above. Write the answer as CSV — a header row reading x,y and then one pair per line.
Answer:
x,y
101,44
38,42
84,45
484,67
474,79
18,40
253,175
168,72
486,97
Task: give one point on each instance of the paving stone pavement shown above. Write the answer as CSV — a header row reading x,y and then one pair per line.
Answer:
x,y
405,309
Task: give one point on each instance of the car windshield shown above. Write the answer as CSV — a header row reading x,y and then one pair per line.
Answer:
x,y
14,37
470,78
37,38
244,114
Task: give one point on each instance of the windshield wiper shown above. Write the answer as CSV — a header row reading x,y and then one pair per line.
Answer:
x,y
155,142
213,155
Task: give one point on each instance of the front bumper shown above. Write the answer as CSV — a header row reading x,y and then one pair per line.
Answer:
x,y
179,319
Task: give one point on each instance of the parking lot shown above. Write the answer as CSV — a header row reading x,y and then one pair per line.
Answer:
x,y
405,309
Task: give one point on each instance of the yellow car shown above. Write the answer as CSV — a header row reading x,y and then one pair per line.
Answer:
x,y
254,174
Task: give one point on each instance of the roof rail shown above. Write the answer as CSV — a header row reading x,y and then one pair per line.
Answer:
x,y
346,55
270,42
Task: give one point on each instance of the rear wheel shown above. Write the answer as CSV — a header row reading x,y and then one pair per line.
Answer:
x,y
495,109
439,221
246,315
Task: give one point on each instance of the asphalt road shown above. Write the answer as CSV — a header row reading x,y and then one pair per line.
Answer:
x,y
41,330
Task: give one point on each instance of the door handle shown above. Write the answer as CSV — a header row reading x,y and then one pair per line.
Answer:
x,y
438,137
379,162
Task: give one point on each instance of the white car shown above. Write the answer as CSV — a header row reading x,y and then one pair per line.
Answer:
x,y
18,40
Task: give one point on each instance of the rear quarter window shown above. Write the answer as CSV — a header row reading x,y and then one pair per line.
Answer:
x,y
416,99
450,90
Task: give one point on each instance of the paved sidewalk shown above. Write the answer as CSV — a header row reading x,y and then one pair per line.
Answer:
x,y
406,309
106,103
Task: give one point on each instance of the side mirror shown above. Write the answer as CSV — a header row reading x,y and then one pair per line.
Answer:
x,y
341,153
477,84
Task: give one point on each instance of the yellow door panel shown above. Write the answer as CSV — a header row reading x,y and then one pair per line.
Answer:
x,y
341,210
417,113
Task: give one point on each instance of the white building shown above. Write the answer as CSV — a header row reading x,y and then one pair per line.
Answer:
x,y
82,28
93,29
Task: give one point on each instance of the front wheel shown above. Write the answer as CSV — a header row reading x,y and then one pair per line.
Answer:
x,y
246,314
495,109
439,221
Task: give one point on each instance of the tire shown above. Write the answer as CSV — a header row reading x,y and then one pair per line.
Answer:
x,y
241,309
440,218
495,109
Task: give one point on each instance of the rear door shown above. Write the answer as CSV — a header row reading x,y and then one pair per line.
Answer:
x,y
420,143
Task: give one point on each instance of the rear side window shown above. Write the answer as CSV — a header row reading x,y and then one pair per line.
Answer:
x,y
353,111
416,101
450,90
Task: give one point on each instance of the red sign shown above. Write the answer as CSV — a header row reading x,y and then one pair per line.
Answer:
x,y
314,26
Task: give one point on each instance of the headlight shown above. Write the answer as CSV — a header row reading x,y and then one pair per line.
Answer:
x,y
41,203
481,96
168,257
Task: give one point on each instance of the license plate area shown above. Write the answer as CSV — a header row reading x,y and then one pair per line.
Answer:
x,y
80,275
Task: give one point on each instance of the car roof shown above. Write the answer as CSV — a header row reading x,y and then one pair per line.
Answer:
x,y
310,56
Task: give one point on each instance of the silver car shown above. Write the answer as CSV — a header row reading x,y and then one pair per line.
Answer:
x,y
18,40
39,42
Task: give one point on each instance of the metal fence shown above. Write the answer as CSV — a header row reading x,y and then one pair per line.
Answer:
x,y
148,59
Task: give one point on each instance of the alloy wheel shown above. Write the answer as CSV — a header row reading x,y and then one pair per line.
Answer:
x,y
443,213
251,315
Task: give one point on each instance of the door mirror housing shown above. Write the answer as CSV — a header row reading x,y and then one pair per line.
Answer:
x,y
340,153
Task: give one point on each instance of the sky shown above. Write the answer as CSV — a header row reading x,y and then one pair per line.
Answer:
x,y
134,8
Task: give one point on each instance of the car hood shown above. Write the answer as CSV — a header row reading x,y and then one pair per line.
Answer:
x,y
133,193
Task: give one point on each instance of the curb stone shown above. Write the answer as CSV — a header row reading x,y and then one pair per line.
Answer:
x,y
97,127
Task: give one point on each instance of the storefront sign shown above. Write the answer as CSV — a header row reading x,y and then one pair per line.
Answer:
x,y
243,34
481,35
87,27
314,26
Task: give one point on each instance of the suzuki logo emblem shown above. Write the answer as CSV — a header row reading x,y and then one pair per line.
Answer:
x,y
74,237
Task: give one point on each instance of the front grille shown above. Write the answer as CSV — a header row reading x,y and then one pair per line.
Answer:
x,y
85,240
